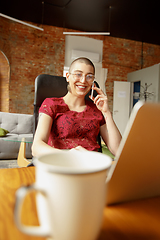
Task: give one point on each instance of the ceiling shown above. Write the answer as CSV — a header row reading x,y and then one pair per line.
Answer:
x,y
131,19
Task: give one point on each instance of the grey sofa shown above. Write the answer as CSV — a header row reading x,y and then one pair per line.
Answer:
x,y
19,126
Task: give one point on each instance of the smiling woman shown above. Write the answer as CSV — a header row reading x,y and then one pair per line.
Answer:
x,y
73,122
80,79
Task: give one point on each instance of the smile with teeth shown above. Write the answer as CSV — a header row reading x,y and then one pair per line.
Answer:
x,y
81,87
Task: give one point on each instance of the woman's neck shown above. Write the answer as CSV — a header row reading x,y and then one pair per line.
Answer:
x,y
74,103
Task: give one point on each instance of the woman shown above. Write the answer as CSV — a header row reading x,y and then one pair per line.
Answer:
x,y
73,122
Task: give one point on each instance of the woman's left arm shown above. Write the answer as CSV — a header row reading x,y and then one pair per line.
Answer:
x,y
109,131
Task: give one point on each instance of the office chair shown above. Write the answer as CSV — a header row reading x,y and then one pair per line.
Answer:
x,y
47,86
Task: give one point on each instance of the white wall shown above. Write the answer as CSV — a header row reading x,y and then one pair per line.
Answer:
x,y
82,44
148,75
88,45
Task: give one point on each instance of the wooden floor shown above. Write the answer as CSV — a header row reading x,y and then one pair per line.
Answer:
x,y
8,163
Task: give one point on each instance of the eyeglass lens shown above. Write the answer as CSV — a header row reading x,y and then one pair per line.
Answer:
x,y
88,77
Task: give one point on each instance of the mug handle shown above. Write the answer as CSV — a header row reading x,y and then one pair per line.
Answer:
x,y
21,193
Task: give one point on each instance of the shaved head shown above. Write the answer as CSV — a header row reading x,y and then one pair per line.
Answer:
x,y
82,60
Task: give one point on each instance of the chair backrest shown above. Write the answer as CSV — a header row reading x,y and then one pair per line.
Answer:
x,y
47,86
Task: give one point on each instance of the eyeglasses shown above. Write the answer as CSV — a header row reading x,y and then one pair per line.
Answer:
x,y
79,76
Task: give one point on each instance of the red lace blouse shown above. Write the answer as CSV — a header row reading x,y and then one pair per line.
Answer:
x,y
71,128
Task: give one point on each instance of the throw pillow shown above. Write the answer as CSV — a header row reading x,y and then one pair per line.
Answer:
x,y
3,132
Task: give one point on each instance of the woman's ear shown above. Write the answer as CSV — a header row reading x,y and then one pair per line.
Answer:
x,y
67,76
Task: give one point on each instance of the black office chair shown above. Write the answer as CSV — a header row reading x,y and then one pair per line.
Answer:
x,y
52,86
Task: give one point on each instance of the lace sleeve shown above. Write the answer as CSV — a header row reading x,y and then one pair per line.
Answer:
x,y
47,107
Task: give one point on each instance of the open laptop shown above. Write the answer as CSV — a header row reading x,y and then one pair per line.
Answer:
x,y
136,172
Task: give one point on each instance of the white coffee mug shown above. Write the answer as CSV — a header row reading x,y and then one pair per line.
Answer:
x,y
71,190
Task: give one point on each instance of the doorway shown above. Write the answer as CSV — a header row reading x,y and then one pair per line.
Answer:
x,y
136,92
4,82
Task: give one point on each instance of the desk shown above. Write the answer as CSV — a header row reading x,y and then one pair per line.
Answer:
x,y
136,220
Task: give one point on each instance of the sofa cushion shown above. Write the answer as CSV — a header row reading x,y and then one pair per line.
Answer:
x,y
19,126
3,132
17,123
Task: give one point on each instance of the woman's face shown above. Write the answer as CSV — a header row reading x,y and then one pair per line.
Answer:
x,y
80,79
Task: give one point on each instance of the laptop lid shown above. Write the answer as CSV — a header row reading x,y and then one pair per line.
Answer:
x,y
136,171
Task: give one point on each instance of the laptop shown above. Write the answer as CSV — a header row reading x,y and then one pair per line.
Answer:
x,y
136,171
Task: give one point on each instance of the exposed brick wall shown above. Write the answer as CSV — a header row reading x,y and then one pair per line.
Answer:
x,y
32,52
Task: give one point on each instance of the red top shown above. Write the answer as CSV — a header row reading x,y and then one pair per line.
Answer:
x,y
71,128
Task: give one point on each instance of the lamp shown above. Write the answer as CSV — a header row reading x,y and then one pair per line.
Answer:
x,y
16,20
86,33
91,33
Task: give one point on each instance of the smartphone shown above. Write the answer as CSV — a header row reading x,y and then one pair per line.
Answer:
x,y
92,90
